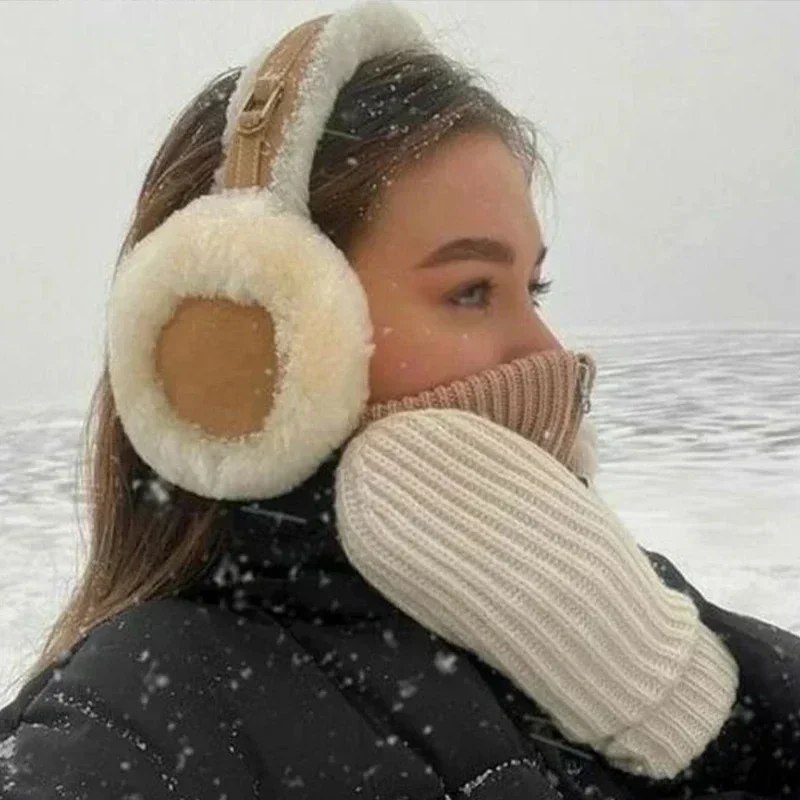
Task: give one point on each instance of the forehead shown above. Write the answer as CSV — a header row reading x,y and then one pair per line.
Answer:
x,y
470,184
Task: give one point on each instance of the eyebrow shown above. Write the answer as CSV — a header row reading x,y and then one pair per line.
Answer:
x,y
481,248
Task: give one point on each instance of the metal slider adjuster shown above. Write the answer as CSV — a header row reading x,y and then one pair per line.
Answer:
x,y
266,91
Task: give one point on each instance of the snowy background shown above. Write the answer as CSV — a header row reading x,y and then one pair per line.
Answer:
x,y
700,456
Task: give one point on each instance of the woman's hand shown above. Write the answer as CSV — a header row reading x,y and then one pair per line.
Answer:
x,y
485,539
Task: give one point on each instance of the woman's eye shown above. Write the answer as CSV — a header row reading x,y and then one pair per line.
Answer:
x,y
479,295
538,289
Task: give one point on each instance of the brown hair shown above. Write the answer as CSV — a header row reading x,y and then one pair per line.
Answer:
x,y
149,538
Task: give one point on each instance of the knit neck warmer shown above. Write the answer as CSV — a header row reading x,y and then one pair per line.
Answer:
x,y
543,397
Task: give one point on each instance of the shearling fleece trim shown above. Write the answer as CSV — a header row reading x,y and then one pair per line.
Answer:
x,y
350,37
240,248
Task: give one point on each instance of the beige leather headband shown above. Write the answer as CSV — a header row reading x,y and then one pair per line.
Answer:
x,y
261,126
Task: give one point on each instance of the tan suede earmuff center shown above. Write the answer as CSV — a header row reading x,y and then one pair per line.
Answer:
x,y
222,370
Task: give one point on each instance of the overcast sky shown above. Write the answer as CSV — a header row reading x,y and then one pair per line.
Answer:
x,y
671,129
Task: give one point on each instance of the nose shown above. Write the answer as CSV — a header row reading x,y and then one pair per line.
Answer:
x,y
530,335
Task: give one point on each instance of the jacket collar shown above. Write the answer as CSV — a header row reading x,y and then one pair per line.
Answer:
x,y
282,556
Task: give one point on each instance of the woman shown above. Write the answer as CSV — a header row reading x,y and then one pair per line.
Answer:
x,y
345,535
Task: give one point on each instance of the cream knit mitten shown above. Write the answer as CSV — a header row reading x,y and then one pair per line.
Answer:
x,y
487,540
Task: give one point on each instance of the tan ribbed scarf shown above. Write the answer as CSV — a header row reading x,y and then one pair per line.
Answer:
x,y
537,396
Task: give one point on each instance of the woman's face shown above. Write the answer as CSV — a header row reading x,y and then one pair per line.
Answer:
x,y
449,265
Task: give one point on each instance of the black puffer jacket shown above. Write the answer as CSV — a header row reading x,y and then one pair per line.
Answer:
x,y
282,674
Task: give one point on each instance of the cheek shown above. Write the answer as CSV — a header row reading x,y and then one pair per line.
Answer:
x,y
417,354
403,363
418,343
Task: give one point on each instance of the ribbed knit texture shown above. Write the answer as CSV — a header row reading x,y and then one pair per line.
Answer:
x,y
536,396
485,539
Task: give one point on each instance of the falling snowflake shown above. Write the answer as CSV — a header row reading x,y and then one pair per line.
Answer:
x,y
445,662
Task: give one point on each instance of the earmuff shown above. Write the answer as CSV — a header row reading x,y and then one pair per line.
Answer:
x,y
239,335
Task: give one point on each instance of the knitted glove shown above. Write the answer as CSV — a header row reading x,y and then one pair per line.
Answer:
x,y
488,541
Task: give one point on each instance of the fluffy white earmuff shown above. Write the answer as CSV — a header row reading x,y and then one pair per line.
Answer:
x,y
253,244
